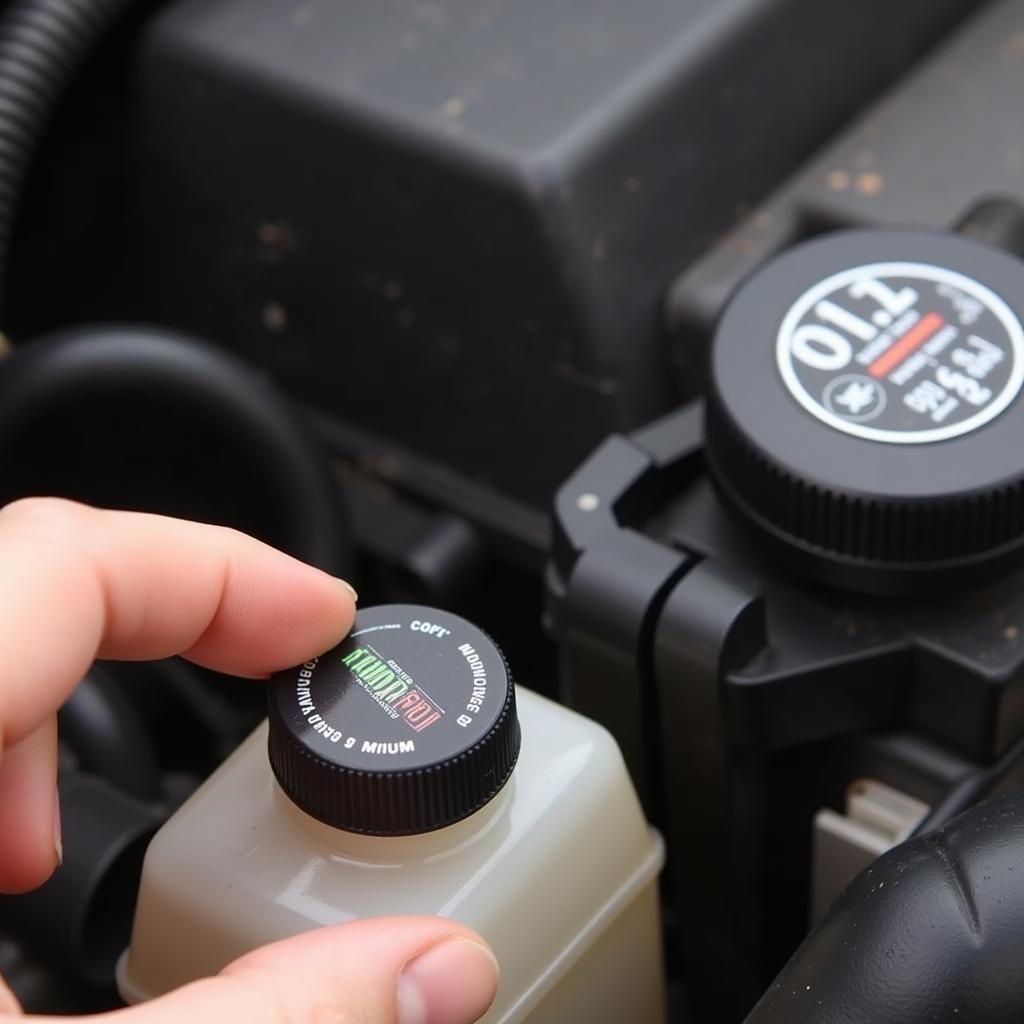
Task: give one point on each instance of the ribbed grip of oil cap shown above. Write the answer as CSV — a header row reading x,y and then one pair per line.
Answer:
x,y
865,412
407,726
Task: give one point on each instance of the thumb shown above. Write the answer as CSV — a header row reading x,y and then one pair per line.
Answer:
x,y
417,970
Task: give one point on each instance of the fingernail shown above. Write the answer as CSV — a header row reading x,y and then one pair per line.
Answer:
x,y
451,983
348,586
58,842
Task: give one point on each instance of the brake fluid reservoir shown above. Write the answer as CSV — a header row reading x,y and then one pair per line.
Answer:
x,y
406,775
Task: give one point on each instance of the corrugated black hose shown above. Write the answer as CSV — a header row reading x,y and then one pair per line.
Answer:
x,y
42,45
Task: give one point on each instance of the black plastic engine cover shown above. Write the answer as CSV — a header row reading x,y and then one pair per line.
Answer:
x,y
450,223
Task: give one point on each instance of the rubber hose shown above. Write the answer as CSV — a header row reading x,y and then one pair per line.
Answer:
x,y
137,417
42,45
109,738
81,918
930,932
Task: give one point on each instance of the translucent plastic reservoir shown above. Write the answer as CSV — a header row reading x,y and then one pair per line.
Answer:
x,y
558,873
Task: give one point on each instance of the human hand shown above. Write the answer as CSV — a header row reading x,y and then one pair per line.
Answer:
x,y
78,583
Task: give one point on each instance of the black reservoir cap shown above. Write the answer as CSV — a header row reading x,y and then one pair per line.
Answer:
x,y
866,415
407,726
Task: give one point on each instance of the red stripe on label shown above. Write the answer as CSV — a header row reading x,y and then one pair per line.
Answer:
x,y
912,340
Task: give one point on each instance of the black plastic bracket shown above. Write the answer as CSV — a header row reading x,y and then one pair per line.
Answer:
x,y
712,621
610,609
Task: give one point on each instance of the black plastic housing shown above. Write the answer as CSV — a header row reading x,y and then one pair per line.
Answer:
x,y
448,224
746,699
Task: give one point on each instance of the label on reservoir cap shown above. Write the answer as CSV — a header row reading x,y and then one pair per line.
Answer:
x,y
902,353
405,692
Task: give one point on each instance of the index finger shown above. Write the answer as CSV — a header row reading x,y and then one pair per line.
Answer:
x,y
77,583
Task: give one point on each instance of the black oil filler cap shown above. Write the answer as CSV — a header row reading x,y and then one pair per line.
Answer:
x,y
865,413
407,726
